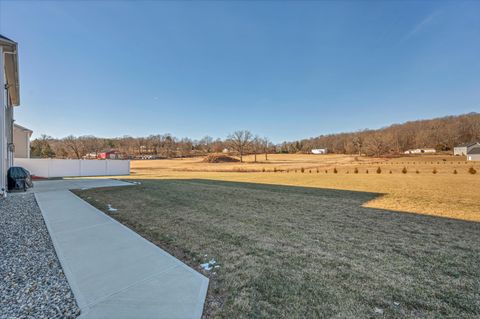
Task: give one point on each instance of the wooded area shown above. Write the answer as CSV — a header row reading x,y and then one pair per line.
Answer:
x,y
443,134
440,133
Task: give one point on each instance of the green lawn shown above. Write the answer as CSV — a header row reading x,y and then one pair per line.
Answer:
x,y
293,252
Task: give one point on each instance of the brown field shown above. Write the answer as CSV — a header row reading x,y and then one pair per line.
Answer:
x,y
442,194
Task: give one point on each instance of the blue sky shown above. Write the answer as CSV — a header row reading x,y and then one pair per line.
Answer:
x,y
286,70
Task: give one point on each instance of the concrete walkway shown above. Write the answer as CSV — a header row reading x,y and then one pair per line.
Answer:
x,y
113,271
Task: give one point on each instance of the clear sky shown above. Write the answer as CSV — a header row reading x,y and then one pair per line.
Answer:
x,y
286,70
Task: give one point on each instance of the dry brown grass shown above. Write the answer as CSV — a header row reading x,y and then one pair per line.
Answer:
x,y
300,252
443,194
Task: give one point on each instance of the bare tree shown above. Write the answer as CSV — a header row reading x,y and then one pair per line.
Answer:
x,y
376,145
91,144
256,147
41,147
266,145
206,144
239,141
74,146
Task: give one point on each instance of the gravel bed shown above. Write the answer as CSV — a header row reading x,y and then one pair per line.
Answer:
x,y
32,282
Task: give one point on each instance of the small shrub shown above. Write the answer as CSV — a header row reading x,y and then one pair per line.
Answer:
x,y
274,169
263,169
335,170
310,171
302,170
379,170
472,170
326,171
355,170
390,171
434,170
404,170
455,172
318,171
295,171
417,171
366,172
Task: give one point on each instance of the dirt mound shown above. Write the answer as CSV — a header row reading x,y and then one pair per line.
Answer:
x,y
220,158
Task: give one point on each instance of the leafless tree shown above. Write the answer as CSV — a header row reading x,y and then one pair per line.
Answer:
x,y
74,146
266,146
206,144
240,141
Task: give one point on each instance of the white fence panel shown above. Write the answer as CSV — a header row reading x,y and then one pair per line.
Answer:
x,y
93,168
38,167
65,168
116,167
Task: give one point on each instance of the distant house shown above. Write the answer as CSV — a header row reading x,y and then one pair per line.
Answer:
x,y
21,141
111,154
473,154
319,151
462,149
421,151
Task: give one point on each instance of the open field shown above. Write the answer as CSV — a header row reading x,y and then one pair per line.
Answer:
x,y
298,252
442,194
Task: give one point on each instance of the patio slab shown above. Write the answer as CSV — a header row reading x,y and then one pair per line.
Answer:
x,y
113,271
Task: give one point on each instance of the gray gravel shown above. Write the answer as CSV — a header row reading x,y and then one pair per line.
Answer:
x,y
32,282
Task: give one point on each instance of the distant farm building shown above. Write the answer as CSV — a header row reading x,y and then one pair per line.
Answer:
x,y
319,151
421,151
463,149
112,154
473,154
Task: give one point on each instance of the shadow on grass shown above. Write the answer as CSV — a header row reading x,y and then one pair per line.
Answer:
x,y
301,252
357,199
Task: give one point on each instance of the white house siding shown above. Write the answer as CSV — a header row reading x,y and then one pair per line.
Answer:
x,y
460,151
473,157
21,140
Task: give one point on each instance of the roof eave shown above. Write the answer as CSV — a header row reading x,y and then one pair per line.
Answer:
x,y
10,51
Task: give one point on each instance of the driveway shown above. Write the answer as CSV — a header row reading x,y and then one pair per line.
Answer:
x,y
113,271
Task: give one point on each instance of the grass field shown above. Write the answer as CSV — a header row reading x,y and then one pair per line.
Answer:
x,y
442,194
299,252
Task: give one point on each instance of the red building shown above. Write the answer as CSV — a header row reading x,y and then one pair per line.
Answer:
x,y
112,154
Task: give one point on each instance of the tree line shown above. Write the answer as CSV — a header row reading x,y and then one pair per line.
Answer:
x,y
153,146
443,134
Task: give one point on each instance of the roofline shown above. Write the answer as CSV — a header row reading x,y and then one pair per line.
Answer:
x,y
5,39
22,127
476,149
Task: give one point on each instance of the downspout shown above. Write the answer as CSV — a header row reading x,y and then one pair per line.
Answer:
x,y
3,148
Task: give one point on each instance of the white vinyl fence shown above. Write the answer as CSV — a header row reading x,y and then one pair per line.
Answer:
x,y
69,167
